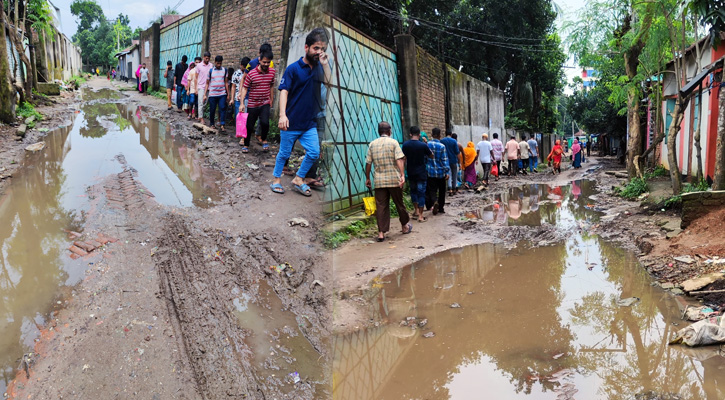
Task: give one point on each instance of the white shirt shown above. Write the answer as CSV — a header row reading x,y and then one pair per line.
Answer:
x,y
144,74
484,151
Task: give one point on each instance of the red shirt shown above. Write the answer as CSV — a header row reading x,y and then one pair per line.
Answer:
x,y
259,86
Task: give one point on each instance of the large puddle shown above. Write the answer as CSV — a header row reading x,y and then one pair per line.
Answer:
x,y
533,323
48,197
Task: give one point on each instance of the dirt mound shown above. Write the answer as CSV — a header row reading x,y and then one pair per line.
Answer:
x,y
703,237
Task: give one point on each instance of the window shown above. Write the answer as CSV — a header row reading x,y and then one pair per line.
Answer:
x,y
668,116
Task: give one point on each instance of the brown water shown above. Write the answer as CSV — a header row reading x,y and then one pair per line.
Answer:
x,y
49,195
534,323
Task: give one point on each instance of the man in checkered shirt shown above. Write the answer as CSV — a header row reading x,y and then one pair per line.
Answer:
x,y
385,155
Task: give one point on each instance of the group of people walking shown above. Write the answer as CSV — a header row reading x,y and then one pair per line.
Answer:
x,y
432,168
203,86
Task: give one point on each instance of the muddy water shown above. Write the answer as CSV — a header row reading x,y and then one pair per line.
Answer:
x,y
48,196
280,349
533,323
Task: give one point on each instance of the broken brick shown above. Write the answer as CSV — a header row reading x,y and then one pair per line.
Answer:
x,y
77,250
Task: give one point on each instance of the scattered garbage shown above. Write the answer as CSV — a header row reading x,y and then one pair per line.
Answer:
x,y
428,335
455,305
317,282
36,147
295,377
298,221
629,301
698,313
702,333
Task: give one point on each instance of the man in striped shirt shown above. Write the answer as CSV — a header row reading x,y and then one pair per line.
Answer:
x,y
258,83
216,92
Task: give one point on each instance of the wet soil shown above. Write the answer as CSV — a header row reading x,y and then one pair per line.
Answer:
x,y
179,234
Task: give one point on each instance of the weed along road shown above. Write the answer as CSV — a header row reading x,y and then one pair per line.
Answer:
x,y
141,258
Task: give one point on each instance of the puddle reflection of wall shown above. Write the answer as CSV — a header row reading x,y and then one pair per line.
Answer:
x,y
365,360
158,140
32,244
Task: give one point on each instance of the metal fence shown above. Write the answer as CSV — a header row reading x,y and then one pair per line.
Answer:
x,y
364,91
181,38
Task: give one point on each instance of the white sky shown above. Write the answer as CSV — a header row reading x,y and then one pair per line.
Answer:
x,y
570,8
140,12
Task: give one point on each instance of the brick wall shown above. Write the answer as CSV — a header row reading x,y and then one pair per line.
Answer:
x,y
150,35
238,28
431,93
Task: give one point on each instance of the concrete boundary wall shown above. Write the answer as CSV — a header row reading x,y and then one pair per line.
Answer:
x,y
697,204
434,94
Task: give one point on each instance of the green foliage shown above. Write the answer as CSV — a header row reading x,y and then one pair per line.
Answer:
x,y
359,228
516,119
167,11
76,81
88,13
632,189
25,110
157,94
712,15
40,16
675,201
98,39
657,172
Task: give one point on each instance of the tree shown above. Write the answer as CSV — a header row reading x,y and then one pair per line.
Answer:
x,y
7,93
167,11
88,14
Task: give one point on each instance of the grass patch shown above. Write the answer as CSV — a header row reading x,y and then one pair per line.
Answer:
x,y
632,189
26,110
356,229
157,94
658,172
676,201
76,81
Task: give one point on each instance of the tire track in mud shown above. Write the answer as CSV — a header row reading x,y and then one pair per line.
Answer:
x,y
199,279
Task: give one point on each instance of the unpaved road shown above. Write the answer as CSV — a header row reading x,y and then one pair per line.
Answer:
x,y
629,224
183,303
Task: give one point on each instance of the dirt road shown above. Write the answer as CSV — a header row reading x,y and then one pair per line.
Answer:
x,y
186,302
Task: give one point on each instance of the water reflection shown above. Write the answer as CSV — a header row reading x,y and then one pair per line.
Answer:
x,y
536,323
536,204
48,195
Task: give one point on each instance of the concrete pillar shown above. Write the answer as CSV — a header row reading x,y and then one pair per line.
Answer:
x,y
155,54
206,26
407,57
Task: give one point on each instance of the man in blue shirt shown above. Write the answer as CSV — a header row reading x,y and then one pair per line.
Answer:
x,y
438,169
416,155
534,147
452,151
299,106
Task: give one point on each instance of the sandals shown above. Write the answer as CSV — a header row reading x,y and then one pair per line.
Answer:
x,y
380,239
410,229
277,188
265,146
316,184
245,149
304,190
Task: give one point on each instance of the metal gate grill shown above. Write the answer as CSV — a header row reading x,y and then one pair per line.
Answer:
x,y
363,93
181,38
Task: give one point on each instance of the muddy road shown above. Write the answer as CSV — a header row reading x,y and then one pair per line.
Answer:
x,y
542,287
147,260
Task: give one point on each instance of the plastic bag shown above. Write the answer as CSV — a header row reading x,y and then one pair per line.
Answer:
x,y
369,203
494,169
242,124
702,333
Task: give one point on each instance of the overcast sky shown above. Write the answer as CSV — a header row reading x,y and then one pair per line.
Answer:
x,y
140,12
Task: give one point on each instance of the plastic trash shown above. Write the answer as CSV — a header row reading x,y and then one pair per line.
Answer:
x,y
242,125
698,313
702,333
629,301
295,377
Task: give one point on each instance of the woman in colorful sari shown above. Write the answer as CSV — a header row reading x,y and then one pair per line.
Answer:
x,y
577,154
555,156
138,77
469,166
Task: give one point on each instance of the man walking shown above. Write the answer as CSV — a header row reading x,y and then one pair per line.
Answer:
x,y
216,92
237,81
416,155
299,106
385,154
438,169
202,73
258,83
144,73
179,71
525,153
534,159
169,75
452,154
485,154
497,146
512,155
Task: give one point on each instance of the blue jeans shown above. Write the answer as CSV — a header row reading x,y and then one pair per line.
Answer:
x,y
309,141
533,162
179,95
215,101
236,108
417,191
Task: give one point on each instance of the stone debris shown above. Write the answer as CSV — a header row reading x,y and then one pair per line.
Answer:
x,y
36,147
702,281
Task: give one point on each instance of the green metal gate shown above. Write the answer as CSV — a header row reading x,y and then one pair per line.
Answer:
x,y
363,93
181,38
